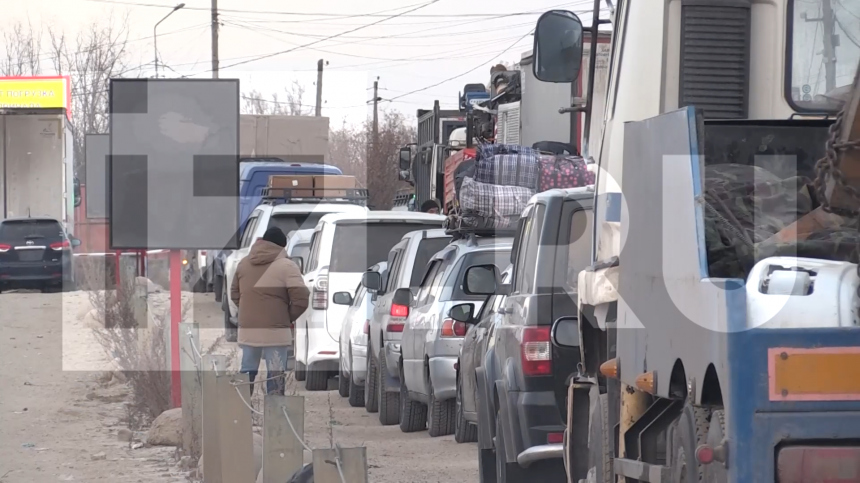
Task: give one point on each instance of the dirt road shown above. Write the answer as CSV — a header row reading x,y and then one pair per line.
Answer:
x,y
58,422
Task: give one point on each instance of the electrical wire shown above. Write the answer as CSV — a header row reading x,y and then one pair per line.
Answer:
x,y
273,54
464,73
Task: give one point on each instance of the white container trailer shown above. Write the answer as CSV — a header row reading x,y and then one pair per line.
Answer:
x,y
37,164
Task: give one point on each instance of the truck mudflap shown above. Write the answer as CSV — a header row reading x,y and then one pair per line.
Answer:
x,y
793,393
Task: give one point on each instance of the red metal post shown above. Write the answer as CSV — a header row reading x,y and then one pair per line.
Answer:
x,y
175,318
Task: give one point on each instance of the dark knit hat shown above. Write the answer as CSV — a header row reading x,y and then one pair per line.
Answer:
x,y
276,236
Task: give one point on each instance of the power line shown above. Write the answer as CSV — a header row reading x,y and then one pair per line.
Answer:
x,y
311,14
431,2
464,73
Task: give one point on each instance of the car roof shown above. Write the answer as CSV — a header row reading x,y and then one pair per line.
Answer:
x,y
463,248
286,208
30,218
382,216
301,235
431,233
577,194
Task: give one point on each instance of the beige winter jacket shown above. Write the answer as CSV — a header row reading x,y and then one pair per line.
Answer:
x,y
271,294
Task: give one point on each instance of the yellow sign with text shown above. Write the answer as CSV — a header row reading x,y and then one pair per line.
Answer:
x,y
35,92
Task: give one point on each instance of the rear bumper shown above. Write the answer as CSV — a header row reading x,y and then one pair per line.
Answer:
x,y
51,272
533,416
323,349
540,453
359,364
392,358
443,377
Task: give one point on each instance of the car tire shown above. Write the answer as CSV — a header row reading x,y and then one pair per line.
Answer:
x,y
218,288
441,415
301,371
506,472
716,471
464,431
371,391
231,332
599,446
413,414
316,380
486,466
342,383
356,392
389,402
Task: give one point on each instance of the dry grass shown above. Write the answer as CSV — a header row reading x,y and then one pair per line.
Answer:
x,y
133,336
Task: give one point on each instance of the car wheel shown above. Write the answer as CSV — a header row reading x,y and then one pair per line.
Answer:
x,y
464,431
342,382
440,415
356,392
371,392
506,472
689,431
231,332
218,288
389,402
316,380
413,414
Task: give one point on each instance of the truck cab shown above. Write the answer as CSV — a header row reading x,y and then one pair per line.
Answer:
x,y
716,115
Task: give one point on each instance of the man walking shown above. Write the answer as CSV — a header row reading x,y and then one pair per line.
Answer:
x,y
271,294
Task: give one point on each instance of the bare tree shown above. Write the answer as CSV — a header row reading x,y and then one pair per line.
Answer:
x,y
93,57
292,105
22,51
374,167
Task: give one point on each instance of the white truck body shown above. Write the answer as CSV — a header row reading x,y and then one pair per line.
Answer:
x,y
37,164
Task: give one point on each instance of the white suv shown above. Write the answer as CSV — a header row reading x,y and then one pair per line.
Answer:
x,y
286,216
343,246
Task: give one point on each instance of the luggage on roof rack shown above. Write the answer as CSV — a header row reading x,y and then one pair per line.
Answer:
x,y
357,196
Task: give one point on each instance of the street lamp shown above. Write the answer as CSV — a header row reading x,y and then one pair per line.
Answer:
x,y
154,38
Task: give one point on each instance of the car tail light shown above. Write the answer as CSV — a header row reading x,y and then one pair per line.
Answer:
x,y
319,294
553,438
60,245
832,464
366,326
399,310
394,327
5,248
536,354
453,328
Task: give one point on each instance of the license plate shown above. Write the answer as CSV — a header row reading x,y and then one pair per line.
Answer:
x,y
822,374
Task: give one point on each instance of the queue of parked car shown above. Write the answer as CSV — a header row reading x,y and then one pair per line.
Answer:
x,y
449,334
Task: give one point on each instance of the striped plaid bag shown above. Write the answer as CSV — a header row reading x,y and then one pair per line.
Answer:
x,y
495,202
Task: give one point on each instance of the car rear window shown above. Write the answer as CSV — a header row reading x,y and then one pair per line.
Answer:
x,y
288,222
28,229
500,259
426,249
359,245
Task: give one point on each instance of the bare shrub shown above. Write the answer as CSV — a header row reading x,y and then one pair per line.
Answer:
x,y
136,342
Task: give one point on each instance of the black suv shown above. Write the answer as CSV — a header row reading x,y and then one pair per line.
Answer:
x,y
35,253
523,381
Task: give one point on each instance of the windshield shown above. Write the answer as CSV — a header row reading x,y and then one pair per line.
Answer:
x,y
22,230
358,245
288,222
822,65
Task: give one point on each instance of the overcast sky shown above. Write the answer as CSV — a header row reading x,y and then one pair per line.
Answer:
x,y
427,43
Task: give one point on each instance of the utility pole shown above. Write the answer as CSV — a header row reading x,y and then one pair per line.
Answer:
x,y
319,87
375,114
214,39
829,45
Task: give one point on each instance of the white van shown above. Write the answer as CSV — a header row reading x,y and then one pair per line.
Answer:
x,y
343,246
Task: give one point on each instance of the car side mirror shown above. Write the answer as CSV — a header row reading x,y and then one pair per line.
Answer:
x,y
342,298
405,161
557,47
462,313
74,242
402,296
565,332
481,280
300,262
372,281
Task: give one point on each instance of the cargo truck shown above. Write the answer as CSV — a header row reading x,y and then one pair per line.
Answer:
x,y
718,340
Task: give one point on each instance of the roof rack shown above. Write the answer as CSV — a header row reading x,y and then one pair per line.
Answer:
x,y
402,197
279,196
454,226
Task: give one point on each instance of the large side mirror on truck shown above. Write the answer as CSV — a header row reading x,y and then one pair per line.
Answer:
x,y
405,161
77,192
557,47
